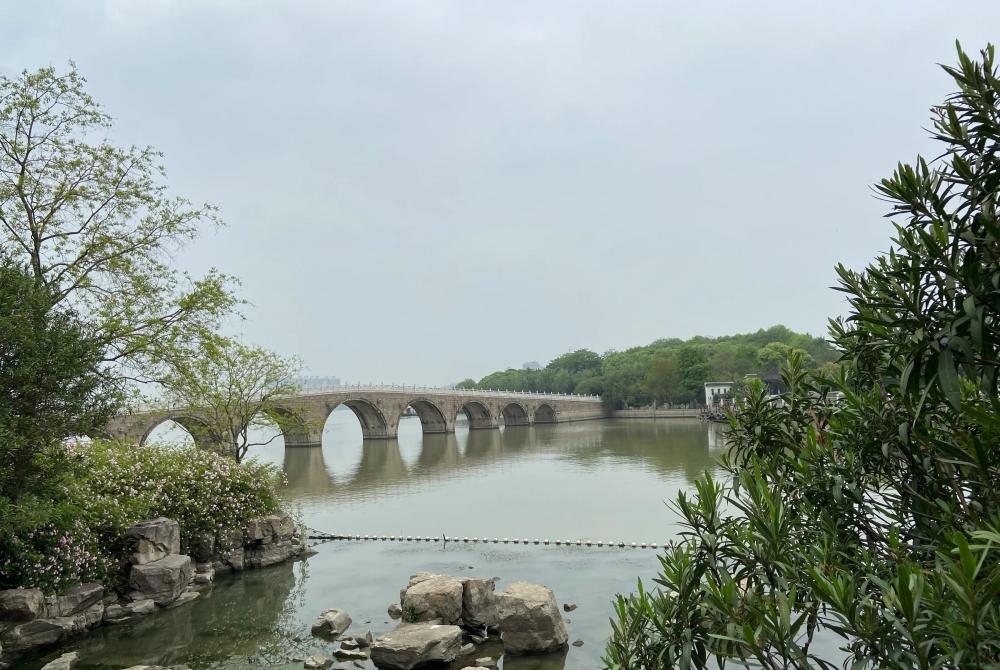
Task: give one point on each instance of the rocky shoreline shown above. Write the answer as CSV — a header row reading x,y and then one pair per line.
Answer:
x,y
158,577
447,619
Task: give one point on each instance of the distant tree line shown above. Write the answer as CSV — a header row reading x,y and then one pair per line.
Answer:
x,y
665,371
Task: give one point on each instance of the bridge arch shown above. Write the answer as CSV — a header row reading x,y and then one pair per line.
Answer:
x,y
515,414
373,422
432,419
197,428
545,413
478,414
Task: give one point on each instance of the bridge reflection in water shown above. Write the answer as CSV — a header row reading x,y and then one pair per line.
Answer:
x,y
351,468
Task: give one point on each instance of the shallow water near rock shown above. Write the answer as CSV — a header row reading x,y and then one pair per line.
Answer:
x,y
603,480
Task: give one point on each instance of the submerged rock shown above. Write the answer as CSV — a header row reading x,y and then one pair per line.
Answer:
x,y
413,645
317,662
331,622
64,662
530,621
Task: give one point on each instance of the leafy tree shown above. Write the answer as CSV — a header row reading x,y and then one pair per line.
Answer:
x,y
235,388
776,354
692,361
663,378
95,225
874,519
467,383
576,362
50,388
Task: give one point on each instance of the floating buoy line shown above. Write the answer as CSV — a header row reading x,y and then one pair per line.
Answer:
x,y
445,539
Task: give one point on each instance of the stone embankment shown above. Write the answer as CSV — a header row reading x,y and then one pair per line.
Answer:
x,y
158,576
446,619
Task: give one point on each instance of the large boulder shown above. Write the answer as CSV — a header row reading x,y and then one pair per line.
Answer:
x,y
35,634
21,604
479,604
331,622
271,554
437,597
416,645
155,539
529,619
163,580
73,600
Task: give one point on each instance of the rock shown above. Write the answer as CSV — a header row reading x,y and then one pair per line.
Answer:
x,y
437,597
282,526
577,643
163,580
416,579
154,540
317,662
271,554
569,607
486,662
331,622
477,639
183,599
413,645
466,649
74,600
350,655
235,559
21,604
530,620
203,578
64,662
395,611
35,634
349,644
479,605
141,607
365,641
201,547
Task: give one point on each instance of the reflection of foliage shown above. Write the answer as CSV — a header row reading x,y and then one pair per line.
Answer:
x,y
244,620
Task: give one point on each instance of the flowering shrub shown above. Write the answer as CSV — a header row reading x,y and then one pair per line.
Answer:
x,y
52,544
202,491
52,556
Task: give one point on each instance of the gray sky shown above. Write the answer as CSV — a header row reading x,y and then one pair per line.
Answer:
x,y
422,191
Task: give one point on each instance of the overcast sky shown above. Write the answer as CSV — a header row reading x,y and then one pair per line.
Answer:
x,y
423,191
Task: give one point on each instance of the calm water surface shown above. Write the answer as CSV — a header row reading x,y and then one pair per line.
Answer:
x,y
606,480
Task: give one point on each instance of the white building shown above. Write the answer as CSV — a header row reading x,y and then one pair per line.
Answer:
x,y
717,392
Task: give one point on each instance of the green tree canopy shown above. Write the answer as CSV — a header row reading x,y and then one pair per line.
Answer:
x,y
95,224
50,386
666,371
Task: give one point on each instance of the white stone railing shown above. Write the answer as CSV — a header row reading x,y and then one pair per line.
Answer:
x,y
438,390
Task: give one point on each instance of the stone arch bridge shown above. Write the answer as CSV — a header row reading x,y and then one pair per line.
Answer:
x,y
379,408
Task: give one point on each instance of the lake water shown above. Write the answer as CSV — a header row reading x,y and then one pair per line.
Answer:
x,y
606,480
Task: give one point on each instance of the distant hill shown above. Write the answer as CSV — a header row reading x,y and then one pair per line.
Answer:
x,y
665,371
